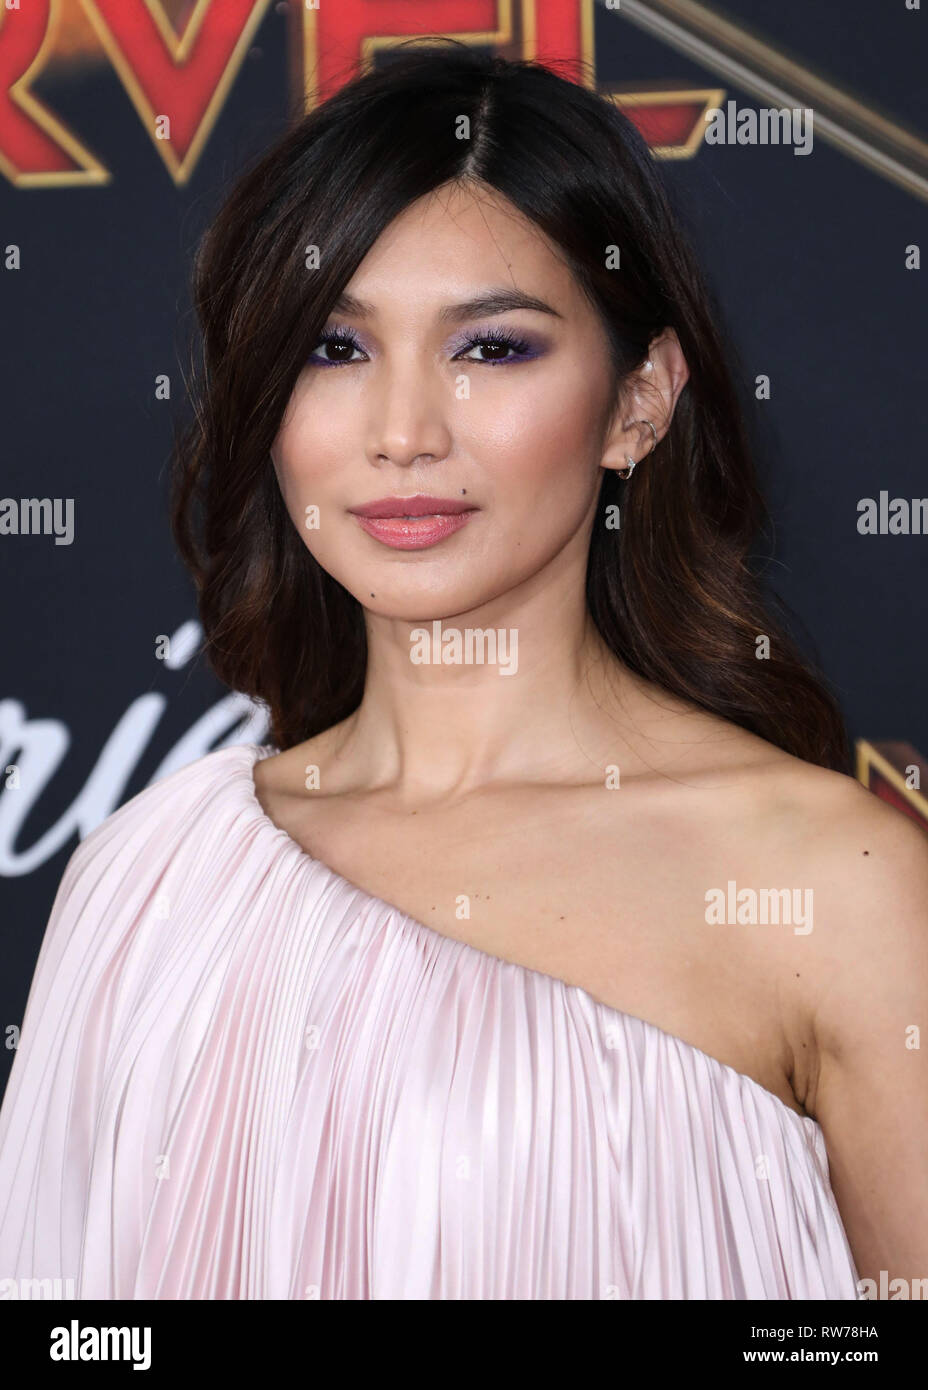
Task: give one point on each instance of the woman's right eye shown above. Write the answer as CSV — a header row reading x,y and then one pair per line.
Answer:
x,y
340,344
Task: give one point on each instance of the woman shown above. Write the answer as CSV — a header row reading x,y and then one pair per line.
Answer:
x,y
550,951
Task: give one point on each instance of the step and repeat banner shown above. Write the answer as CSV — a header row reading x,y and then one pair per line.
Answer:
x,y
794,135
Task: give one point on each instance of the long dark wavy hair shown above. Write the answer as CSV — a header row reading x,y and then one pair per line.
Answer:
x,y
672,591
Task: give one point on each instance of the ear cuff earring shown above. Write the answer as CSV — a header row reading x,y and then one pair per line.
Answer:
x,y
628,468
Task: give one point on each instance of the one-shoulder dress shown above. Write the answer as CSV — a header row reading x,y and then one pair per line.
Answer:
x,y
240,1076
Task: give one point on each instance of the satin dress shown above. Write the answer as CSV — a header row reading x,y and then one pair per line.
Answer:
x,y
240,1076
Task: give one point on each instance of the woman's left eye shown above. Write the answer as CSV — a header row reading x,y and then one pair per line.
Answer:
x,y
498,342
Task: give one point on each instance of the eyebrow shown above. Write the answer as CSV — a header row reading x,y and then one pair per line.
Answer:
x,y
491,302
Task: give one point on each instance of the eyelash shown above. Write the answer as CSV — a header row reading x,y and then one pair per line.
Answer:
x,y
492,336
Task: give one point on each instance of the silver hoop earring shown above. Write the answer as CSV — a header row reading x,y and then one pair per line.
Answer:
x,y
629,466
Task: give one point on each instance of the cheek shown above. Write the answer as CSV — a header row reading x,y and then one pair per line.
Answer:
x,y
312,456
308,460
543,436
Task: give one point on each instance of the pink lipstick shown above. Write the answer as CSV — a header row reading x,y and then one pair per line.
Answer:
x,y
413,523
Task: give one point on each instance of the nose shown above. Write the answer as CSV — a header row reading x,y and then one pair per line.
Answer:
x,y
408,415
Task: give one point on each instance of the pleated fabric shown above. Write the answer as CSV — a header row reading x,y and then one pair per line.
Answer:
x,y
242,1077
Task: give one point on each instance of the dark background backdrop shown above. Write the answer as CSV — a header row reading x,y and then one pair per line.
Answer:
x,y
806,253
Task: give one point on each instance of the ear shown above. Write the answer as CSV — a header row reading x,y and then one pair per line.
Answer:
x,y
649,393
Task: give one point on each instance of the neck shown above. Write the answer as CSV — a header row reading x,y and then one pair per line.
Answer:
x,y
552,703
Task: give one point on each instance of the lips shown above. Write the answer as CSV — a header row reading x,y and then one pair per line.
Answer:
x,y
419,505
413,523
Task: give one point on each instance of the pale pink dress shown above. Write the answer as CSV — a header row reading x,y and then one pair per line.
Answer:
x,y
242,1077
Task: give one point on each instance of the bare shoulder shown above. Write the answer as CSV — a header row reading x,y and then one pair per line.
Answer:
x,y
864,864
855,842
863,985
864,859
826,816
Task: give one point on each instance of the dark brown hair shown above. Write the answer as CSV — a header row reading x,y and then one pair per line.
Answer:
x,y
672,592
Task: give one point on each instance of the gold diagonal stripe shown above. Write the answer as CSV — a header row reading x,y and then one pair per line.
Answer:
x,y
757,66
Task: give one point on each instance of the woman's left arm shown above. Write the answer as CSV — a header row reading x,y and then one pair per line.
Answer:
x,y
870,1022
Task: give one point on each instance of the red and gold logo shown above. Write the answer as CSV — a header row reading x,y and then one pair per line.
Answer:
x,y
178,61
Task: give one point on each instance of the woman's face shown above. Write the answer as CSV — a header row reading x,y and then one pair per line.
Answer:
x,y
407,402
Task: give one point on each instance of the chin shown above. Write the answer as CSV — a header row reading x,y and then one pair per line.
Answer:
x,y
417,609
